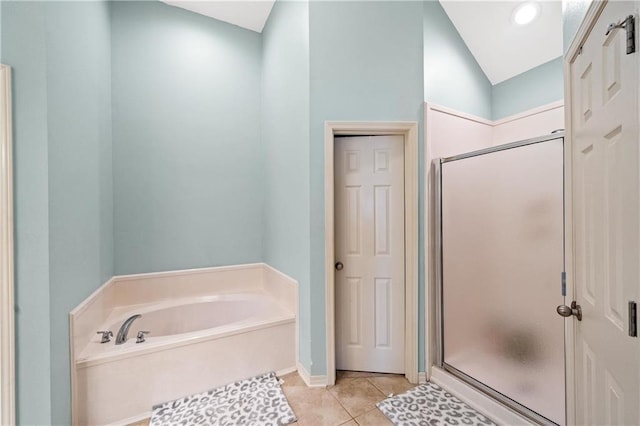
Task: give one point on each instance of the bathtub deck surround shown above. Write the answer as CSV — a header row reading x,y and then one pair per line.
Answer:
x,y
207,327
182,321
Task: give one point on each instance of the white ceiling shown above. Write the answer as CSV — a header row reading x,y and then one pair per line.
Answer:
x,y
251,15
502,48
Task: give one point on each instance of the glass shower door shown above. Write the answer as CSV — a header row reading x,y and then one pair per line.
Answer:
x,y
502,260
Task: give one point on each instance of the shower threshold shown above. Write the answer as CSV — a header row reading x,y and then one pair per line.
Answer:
x,y
500,398
485,404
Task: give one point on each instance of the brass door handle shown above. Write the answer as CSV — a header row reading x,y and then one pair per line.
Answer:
x,y
339,266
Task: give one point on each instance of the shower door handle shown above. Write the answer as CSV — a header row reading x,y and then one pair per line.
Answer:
x,y
567,311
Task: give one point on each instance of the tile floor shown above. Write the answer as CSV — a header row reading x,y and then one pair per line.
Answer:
x,y
351,402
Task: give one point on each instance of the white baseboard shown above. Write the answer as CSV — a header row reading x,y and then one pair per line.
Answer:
x,y
133,419
476,399
286,371
422,377
309,380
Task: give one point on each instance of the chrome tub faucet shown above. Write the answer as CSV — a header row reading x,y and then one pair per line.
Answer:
x,y
106,336
140,337
124,329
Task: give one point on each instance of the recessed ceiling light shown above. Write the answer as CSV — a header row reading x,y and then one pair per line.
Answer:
x,y
525,13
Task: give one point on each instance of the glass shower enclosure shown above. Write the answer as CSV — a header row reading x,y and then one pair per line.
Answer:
x,y
500,270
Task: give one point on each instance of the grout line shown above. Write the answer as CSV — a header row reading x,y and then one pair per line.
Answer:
x,y
374,385
380,390
375,407
341,405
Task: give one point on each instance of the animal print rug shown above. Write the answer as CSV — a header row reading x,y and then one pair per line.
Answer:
x,y
255,401
430,405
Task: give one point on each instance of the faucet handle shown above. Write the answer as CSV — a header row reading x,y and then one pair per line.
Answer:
x,y
140,336
106,336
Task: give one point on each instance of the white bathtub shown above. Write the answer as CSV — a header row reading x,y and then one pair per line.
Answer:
x,y
198,314
196,342
186,320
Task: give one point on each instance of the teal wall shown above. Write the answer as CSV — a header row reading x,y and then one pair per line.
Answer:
x,y
60,54
538,86
452,77
186,140
149,138
446,56
80,179
366,65
285,151
24,48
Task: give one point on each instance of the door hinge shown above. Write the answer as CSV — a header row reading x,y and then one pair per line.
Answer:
x,y
563,280
633,319
629,24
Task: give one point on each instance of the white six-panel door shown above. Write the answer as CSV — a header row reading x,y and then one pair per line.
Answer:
x,y
606,223
369,243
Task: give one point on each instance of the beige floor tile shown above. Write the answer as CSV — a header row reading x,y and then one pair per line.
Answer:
x,y
292,379
391,384
141,423
350,423
344,374
357,396
373,418
315,406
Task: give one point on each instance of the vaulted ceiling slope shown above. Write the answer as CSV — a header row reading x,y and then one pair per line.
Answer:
x,y
251,15
502,48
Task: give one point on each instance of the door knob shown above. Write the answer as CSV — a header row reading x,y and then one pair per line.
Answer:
x,y
339,266
567,311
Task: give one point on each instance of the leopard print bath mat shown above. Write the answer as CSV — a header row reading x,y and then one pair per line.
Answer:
x,y
251,402
430,405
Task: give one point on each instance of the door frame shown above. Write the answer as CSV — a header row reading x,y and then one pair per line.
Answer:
x,y
7,344
409,131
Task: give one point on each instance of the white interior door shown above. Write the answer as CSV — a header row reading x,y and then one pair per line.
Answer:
x,y
369,223
604,81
